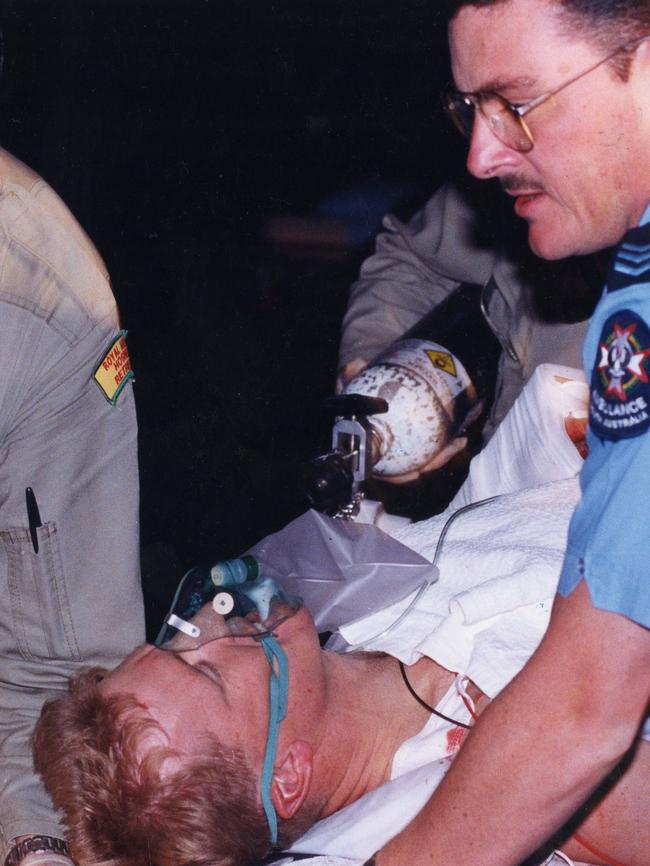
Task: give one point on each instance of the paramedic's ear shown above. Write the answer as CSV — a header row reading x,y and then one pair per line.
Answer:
x,y
292,778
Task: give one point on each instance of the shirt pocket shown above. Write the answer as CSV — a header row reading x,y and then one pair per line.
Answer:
x,y
38,622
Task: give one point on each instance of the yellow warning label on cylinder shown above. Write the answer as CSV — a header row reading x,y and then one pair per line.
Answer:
x,y
443,361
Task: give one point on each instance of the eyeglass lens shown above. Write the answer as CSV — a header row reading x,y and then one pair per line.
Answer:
x,y
502,120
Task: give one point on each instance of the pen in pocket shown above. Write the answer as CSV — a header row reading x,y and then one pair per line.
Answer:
x,y
33,516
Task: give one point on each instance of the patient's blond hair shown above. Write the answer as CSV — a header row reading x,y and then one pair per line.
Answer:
x,y
120,809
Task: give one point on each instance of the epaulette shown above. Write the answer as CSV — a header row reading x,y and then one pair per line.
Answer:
x,y
631,262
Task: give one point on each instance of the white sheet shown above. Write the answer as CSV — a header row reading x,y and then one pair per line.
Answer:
x,y
530,446
499,566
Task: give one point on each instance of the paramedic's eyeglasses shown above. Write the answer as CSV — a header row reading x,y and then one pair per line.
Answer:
x,y
507,121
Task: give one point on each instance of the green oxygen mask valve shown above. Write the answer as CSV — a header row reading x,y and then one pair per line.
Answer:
x,y
229,572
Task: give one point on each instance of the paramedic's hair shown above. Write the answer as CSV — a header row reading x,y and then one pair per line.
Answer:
x,y
604,23
120,809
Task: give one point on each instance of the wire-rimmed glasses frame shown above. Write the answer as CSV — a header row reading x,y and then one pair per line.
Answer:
x,y
505,119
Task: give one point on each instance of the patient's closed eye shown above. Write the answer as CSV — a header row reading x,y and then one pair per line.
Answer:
x,y
210,671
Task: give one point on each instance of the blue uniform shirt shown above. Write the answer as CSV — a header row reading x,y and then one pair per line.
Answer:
x,y
609,536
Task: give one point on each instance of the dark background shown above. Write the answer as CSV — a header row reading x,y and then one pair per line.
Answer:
x,y
174,130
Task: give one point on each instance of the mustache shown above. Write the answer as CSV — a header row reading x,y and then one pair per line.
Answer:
x,y
510,182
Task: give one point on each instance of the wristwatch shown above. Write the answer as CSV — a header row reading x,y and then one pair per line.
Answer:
x,y
36,843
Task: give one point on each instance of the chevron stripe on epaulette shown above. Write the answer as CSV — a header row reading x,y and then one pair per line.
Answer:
x,y
631,264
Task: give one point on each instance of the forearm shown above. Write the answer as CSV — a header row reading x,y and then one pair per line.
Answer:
x,y
25,808
386,302
415,266
514,783
541,748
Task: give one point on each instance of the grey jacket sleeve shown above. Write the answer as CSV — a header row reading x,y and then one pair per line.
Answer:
x,y
414,267
460,237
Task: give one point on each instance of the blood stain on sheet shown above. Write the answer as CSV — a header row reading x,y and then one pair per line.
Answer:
x,y
455,737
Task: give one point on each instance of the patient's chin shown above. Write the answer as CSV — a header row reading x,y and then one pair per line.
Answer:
x,y
301,621
576,430
298,633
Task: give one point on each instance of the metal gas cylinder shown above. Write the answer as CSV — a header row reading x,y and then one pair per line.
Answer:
x,y
405,415
431,401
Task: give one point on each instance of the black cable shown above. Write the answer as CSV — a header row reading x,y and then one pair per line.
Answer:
x,y
424,703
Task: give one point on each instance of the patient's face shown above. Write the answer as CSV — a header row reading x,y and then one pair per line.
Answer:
x,y
223,688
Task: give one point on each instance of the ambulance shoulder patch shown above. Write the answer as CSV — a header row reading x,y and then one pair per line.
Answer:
x,y
114,369
620,383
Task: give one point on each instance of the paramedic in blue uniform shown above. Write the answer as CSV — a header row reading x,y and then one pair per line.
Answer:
x,y
554,96
69,560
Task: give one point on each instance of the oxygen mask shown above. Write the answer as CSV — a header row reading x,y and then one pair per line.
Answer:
x,y
228,600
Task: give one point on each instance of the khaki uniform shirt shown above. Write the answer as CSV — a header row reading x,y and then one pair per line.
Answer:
x,y
78,600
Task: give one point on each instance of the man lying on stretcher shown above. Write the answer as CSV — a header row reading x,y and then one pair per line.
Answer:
x,y
184,753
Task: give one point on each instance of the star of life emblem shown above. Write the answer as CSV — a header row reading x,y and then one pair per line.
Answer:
x,y
620,383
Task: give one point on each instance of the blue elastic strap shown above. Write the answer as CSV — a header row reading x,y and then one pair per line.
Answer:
x,y
278,692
